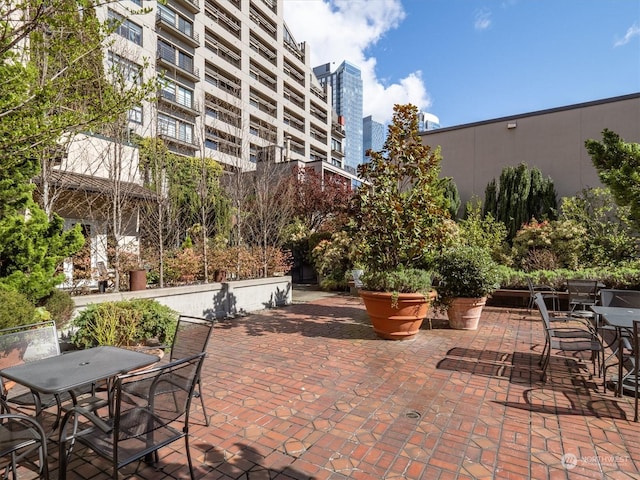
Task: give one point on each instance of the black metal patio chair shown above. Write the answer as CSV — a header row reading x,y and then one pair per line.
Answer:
x,y
191,337
23,344
28,343
21,439
136,431
548,293
570,339
582,295
610,297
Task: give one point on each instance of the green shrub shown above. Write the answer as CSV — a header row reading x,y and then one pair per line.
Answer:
x,y
124,323
610,228
332,261
60,305
16,309
401,280
549,245
624,277
483,231
466,271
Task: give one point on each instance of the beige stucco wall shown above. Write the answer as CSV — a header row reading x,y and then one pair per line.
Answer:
x,y
551,140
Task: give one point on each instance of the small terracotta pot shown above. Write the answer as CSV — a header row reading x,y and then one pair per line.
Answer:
x,y
464,313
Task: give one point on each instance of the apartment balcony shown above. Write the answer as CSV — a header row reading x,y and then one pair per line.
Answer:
x,y
338,129
191,38
192,6
295,50
182,143
171,101
337,151
184,69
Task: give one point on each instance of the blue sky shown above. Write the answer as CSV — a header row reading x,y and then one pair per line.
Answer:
x,y
473,60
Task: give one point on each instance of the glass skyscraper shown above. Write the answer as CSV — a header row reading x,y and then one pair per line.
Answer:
x,y
373,136
346,88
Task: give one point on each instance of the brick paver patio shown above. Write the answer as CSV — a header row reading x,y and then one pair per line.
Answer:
x,y
308,391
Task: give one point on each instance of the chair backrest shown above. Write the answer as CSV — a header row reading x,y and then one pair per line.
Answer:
x,y
191,337
582,291
544,313
610,297
27,343
532,290
20,434
170,390
356,274
102,269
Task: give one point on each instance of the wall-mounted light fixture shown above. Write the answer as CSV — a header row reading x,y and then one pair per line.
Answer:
x,y
511,125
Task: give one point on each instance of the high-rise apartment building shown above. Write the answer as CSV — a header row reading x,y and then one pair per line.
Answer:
x,y
234,81
427,121
235,87
373,136
346,98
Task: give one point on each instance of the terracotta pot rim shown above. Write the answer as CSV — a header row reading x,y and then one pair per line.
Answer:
x,y
373,293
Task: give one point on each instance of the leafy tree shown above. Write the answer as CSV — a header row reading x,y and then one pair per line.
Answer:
x,y
483,231
611,230
452,196
269,210
319,200
32,247
521,194
618,165
400,211
33,244
549,245
188,194
53,86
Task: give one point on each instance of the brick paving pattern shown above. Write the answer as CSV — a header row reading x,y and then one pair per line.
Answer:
x,y
308,392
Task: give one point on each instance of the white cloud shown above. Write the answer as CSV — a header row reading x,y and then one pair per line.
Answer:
x,y
632,31
337,30
483,20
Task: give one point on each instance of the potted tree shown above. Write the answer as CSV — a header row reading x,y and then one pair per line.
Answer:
x,y
400,222
467,274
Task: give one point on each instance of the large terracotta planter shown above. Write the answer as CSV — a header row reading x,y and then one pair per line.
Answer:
x,y
396,323
464,313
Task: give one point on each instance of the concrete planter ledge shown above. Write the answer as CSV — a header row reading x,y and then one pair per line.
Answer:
x,y
212,300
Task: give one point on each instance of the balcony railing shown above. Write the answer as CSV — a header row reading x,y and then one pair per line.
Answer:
x,y
191,37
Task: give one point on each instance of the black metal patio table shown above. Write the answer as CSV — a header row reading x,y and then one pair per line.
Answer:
x,y
76,369
621,318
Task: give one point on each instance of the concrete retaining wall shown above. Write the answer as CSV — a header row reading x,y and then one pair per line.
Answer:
x,y
211,300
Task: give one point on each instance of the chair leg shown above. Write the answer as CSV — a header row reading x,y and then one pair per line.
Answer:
x,y
62,461
545,364
186,444
545,352
204,409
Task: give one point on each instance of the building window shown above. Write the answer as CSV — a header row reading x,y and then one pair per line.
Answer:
x,y
185,61
177,93
174,128
211,112
184,96
124,68
126,28
185,132
135,114
168,90
166,126
172,18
